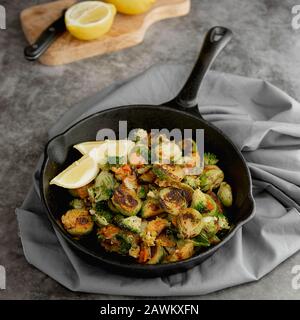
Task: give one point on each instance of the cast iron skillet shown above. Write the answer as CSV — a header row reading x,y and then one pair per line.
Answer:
x,y
181,112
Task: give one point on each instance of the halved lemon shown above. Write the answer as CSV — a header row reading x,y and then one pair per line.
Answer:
x,y
90,20
78,174
132,6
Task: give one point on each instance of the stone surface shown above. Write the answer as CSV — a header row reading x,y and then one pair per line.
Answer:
x,y
33,96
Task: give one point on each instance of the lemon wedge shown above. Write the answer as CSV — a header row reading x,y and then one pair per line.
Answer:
x,y
87,147
90,20
78,174
132,6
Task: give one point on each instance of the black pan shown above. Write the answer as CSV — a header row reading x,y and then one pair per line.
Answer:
x,y
181,112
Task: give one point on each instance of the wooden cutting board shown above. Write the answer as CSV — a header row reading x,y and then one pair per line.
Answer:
x,y
127,30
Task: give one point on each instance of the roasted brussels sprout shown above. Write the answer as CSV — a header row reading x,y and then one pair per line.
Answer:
x,y
210,225
211,178
203,202
168,173
77,204
188,146
172,200
186,190
153,229
199,200
126,201
210,158
77,222
117,240
158,254
225,194
81,193
102,216
214,203
184,250
144,254
133,224
151,207
189,223
192,181
147,177
167,152
103,187
142,191
166,239
139,155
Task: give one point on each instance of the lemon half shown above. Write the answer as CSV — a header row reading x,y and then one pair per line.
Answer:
x,y
78,174
132,6
90,20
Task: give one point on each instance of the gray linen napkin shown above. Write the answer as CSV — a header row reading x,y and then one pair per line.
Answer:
x,y
263,121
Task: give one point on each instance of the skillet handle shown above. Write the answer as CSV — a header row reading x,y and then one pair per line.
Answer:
x,y
215,41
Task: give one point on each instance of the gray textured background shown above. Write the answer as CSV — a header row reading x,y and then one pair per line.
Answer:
x,y
33,96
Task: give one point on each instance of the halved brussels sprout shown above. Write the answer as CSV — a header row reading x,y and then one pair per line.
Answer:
x,y
192,181
158,254
225,194
186,190
210,225
166,239
168,172
151,207
139,155
77,222
167,152
211,178
81,193
133,224
185,250
153,229
172,200
126,201
103,187
203,202
147,177
102,216
189,223
199,200
188,146
114,239
77,204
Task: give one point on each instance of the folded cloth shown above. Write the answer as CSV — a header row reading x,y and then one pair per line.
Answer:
x,y
264,123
